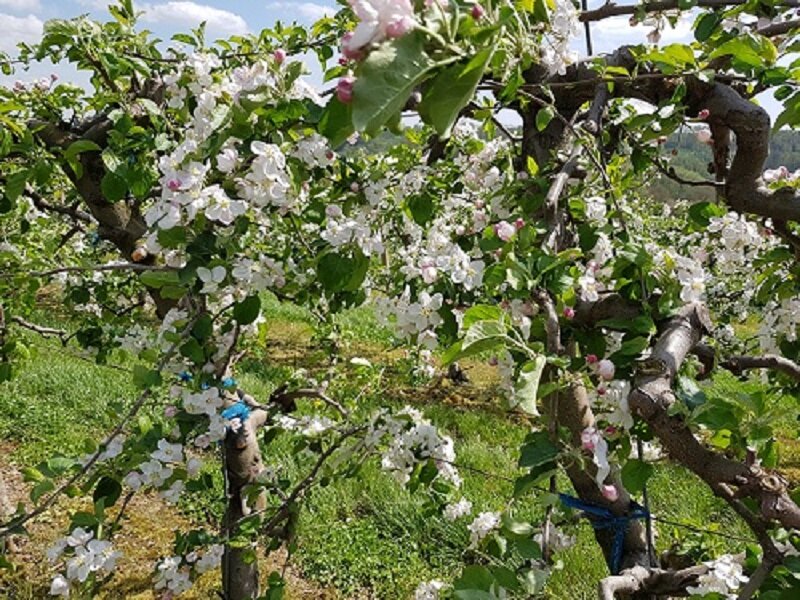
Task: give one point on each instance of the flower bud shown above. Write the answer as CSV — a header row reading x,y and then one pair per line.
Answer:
x,y
344,89
279,55
569,313
477,12
610,493
606,369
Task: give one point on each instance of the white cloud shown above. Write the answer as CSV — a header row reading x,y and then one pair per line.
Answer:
x,y
309,11
191,14
18,29
21,5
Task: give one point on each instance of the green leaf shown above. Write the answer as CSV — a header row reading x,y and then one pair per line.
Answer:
x,y
522,528
421,207
192,350
15,184
247,311
451,91
336,122
475,583
706,26
543,118
114,187
158,279
80,146
635,474
339,273
108,489
41,488
387,78
527,386
538,450
144,378
533,166
483,330
481,312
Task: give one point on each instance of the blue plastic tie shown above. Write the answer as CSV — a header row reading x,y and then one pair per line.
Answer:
x,y
602,518
228,382
185,376
240,410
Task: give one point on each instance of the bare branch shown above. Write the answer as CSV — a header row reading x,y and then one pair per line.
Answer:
x,y
70,211
108,267
309,393
45,331
611,9
649,582
739,364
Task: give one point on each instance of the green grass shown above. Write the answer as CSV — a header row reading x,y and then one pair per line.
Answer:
x,y
366,532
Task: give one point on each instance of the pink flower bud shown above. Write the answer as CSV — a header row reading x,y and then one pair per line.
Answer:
x,y
606,369
519,223
611,430
569,313
591,358
344,89
477,12
279,55
703,114
504,230
53,77
174,185
610,493
601,390
343,61
139,254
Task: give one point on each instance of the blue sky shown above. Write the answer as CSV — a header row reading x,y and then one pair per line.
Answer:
x,y
22,20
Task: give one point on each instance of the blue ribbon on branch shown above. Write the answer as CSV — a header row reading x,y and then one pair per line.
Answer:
x,y
602,518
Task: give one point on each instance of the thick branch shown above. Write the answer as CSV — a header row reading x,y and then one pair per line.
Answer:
x,y
652,398
653,582
45,331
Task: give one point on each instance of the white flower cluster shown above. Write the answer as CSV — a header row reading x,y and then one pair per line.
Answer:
x,y
85,555
112,450
411,319
429,590
724,577
314,151
341,230
457,510
483,525
738,240
412,439
556,55
308,426
156,471
780,320
559,540
781,175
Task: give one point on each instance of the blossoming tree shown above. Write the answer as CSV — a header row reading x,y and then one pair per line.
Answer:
x,y
194,178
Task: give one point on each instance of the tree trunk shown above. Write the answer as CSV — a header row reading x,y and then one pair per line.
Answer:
x,y
242,466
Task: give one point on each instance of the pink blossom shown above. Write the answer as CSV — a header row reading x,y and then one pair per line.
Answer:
x,y
606,369
400,27
504,230
704,136
378,20
279,55
348,51
589,437
170,411
344,89
569,313
610,493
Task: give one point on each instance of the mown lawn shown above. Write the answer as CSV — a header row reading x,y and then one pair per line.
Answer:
x,y
364,537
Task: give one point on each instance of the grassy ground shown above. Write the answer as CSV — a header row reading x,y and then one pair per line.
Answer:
x,y
360,538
